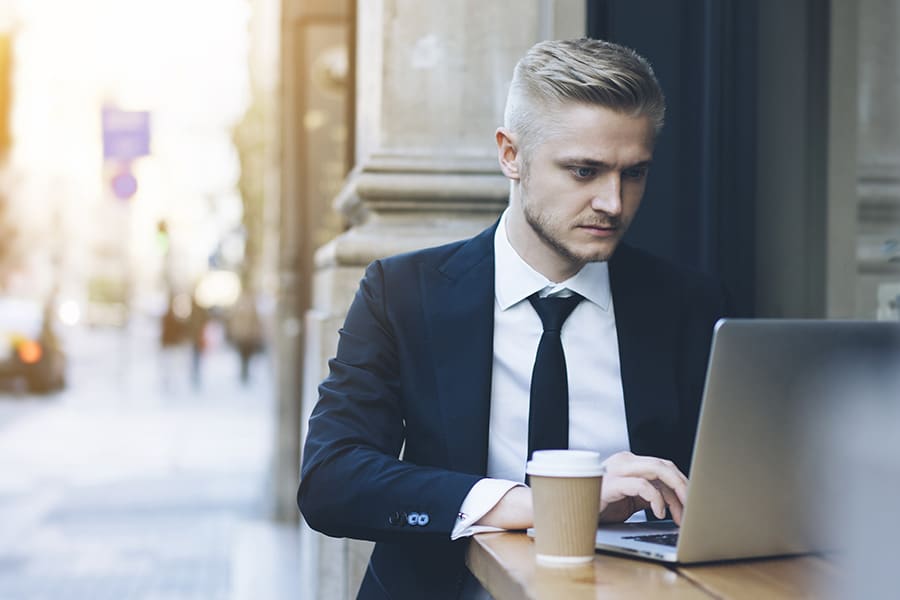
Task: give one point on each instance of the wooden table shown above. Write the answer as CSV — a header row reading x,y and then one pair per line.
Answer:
x,y
505,565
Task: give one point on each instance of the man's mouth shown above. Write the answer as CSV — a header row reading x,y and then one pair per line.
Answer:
x,y
606,227
600,231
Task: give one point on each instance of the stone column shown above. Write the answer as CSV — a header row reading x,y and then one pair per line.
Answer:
x,y
431,85
878,292
315,38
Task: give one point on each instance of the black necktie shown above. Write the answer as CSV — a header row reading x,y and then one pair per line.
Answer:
x,y
548,414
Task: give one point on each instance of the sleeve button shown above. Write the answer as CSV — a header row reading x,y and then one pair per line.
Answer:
x,y
423,519
413,518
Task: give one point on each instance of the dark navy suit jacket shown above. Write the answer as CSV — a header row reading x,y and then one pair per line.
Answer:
x,y
412,374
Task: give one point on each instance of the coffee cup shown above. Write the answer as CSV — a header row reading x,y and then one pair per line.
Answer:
x,y
565,486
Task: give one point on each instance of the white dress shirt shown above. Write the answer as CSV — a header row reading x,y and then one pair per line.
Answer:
x,y
596,401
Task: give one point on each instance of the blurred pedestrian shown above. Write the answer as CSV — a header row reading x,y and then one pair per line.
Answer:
x,y
173,333
170,327
244,330
197,329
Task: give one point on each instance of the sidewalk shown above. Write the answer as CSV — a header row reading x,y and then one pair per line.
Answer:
x,y
132,484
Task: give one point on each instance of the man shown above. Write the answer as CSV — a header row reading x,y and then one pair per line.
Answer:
x,y
441,350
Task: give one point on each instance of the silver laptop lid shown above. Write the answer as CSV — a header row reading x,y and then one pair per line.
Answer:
x,y
757,474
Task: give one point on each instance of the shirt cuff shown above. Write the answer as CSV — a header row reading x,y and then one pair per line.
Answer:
x,y
483,496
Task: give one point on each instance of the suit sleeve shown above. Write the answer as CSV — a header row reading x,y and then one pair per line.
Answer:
x,y
352,482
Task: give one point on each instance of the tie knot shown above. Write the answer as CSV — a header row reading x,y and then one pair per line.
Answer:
x,y
554,310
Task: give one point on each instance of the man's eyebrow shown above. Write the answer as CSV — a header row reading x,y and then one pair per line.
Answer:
x,y
591,162
640,165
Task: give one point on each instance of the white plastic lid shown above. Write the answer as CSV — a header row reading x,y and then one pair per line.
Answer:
x,y
565,463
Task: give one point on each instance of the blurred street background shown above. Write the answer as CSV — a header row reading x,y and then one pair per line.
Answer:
x,y
138,242
135,482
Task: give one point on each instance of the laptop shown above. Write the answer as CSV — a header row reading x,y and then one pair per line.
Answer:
x,y
760,466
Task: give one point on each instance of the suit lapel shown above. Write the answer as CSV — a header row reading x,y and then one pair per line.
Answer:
x,y
459,314
459,310
644,330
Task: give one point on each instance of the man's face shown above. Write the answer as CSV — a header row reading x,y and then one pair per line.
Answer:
x,y
579,188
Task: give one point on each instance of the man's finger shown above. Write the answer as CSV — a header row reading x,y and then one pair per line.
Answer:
x,y
636,487
672,501
651,469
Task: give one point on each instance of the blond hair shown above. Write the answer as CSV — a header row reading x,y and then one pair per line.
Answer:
x,y
586,71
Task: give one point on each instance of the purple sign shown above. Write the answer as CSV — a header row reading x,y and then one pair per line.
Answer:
x,y
126,133
124,184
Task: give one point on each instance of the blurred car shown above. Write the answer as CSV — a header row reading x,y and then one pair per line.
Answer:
x,y
29,348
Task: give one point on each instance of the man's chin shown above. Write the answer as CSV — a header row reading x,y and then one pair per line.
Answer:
x,y
601,254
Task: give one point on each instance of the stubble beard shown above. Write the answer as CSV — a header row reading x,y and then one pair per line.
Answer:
x,y
544,229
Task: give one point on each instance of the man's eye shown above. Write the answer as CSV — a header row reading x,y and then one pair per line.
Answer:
x,y
583,172
635,173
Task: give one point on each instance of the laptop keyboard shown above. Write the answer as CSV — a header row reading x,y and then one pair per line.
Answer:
x,y
666,539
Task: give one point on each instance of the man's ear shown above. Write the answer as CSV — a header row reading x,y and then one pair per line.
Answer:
x,y
508,154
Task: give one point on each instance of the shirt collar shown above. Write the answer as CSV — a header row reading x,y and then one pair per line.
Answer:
x,y
515,280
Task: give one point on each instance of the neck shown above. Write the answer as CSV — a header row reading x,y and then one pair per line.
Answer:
x,y
534,250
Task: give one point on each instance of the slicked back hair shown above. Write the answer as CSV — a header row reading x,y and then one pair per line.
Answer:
x,y
586,71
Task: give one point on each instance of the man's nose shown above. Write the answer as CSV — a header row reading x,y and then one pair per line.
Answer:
x,y
608,195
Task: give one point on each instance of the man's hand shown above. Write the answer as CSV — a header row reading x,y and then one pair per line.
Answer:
x,y
634,483
513,511
631,483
